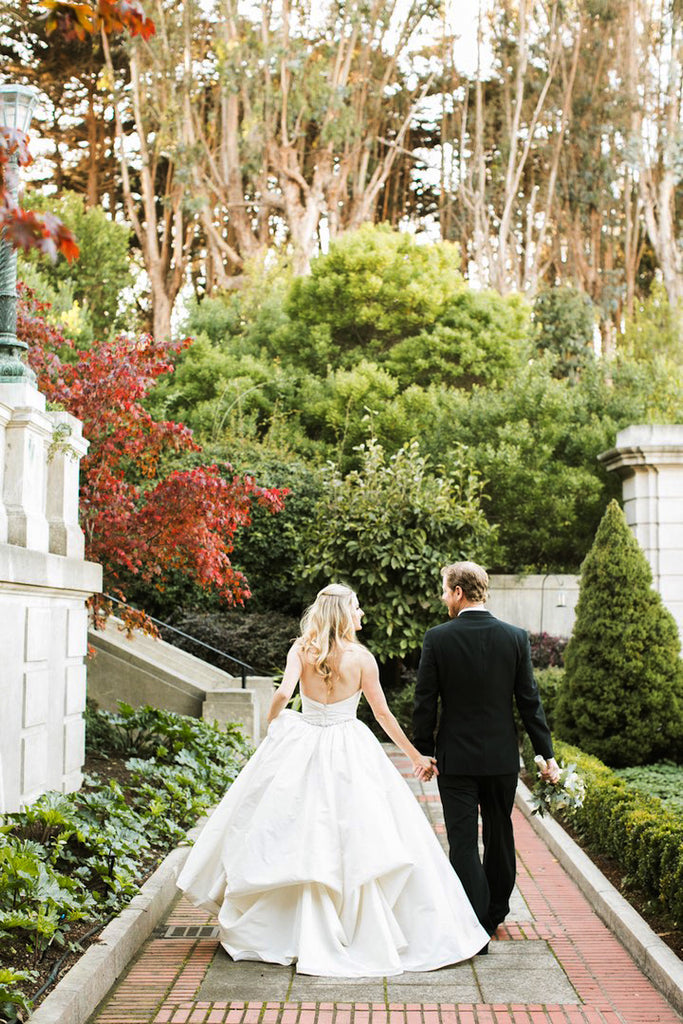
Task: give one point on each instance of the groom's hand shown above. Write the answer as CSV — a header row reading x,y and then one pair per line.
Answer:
x,y
425,768
551,771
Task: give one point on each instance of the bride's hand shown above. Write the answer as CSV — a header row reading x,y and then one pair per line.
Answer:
x,y
424,768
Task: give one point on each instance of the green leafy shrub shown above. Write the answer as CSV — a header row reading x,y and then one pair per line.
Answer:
x,y
386,529
635,830
622,697
564,319
372,289
480,337
82,856
102,275
549,682
12,999
663,780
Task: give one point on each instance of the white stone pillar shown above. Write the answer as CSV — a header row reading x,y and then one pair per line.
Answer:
x,y
67,448
5,413
649,460
28,434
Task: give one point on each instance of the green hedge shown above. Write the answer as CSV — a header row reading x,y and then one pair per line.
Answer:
x,y
637,831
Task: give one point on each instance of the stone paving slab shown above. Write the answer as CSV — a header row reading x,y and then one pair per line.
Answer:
x,y
246,980
525,985
495,978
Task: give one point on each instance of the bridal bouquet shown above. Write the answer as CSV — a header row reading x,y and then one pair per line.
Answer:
x,y
567,793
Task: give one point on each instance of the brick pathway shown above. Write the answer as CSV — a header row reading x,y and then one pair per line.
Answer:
x,y
163,984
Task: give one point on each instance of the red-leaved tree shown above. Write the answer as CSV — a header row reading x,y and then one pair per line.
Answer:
x,y
139,518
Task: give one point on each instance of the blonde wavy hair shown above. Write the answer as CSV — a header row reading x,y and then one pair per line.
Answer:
x,y
327,623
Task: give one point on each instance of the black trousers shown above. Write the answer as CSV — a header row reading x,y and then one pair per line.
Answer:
x,y
489,884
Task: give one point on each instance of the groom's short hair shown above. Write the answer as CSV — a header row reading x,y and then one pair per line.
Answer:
x,y
473,579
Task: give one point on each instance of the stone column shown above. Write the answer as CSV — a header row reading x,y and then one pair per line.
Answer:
x,y
649,460
28,435
66,451
5,413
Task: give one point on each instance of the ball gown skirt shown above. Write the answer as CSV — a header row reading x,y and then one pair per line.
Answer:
x,y
319,854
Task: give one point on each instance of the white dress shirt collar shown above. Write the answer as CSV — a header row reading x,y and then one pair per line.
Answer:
x,y
473,608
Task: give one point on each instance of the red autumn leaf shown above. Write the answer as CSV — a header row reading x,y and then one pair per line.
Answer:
x,y
25,229
12,140
125,14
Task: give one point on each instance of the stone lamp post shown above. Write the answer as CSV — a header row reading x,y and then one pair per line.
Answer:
x,y
16,107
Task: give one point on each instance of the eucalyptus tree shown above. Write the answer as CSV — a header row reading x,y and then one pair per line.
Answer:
x,y
600,242
654,74
245,126
313,112
508,134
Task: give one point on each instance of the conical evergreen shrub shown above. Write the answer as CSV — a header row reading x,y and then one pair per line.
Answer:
x,y
622,696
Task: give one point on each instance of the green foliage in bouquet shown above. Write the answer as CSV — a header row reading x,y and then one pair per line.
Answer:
x,y
622,696
567,794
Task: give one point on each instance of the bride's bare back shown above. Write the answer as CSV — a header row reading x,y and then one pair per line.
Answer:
x,y
346,662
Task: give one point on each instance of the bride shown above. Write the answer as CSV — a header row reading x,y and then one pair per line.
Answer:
x,y
319,853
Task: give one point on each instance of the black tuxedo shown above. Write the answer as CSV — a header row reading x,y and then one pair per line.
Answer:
x,y
476,666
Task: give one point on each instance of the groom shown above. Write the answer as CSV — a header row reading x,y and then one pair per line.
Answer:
x,y
476,665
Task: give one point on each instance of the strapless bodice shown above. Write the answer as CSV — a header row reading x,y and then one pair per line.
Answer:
x,y
317,713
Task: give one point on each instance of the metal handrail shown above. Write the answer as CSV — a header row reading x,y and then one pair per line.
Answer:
x,y
165,625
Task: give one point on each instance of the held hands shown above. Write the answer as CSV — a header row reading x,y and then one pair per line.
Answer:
x,y
424,768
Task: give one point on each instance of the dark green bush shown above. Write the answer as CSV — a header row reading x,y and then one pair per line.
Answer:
x,y
261,639
549,681
635,830
622,697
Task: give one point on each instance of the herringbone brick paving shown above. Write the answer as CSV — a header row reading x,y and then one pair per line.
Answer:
x,y
163,984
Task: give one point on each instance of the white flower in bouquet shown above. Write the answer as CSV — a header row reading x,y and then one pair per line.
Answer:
x,y
567,793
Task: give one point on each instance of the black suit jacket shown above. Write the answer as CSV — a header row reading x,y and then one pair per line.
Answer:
x,y
477,665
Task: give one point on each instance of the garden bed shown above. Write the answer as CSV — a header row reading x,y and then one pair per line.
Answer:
x,y
70,863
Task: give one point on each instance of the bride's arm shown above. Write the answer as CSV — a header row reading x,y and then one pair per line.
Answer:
x,y
291,677
423,766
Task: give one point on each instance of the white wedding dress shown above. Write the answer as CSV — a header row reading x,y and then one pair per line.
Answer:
x,y
320,854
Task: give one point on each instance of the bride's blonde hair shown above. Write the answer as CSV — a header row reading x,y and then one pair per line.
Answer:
x,y
327,622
